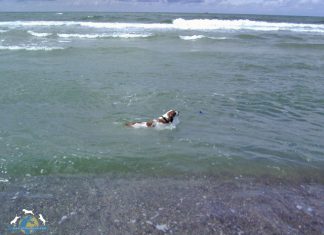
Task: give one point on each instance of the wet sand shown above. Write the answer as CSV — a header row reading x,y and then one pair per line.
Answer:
x,y
188,205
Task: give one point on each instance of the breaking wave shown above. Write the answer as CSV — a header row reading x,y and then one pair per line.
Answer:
x,y
38,34
180,24
196,37
207,24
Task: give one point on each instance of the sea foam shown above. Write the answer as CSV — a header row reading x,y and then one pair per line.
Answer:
x,y
194,37
215,24
75,35
38,34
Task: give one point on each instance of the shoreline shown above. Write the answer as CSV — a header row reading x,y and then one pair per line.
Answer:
x,y
111,204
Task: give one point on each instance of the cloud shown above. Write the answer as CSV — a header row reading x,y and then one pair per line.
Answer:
x,y
291,7
211,2
309,1
263,3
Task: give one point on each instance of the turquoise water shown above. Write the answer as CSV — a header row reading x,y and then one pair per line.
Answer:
x,y
249,89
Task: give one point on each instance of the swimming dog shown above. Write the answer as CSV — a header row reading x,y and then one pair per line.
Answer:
x,y
167,119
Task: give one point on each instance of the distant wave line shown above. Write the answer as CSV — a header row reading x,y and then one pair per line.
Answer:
x,y
180,24
206,24
90,36
196,37
30,48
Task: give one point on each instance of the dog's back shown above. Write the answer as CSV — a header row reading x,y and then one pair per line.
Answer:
x,y
169,119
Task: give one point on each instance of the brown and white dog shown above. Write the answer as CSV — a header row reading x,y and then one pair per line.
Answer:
x,y
169,119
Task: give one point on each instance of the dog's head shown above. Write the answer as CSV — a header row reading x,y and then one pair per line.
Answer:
x,y
170,115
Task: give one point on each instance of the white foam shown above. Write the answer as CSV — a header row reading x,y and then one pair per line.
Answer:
x,y
194,37
165,126
218,38
215,24
170,126
180,24
38,34
162,227
3,180
116,35
131,35
74,35
116,25
64,41
3,31
30,48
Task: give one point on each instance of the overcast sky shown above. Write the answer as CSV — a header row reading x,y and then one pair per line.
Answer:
x,y
286,7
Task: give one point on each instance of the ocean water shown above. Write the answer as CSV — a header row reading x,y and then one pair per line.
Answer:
x,y
249,89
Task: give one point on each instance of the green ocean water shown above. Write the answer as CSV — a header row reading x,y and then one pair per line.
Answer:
x,y
249,90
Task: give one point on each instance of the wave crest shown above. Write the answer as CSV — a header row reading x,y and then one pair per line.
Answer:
x,y
194,37
38,34
178,24
215,24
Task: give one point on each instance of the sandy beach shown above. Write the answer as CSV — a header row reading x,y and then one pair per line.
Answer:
x,y
191,205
